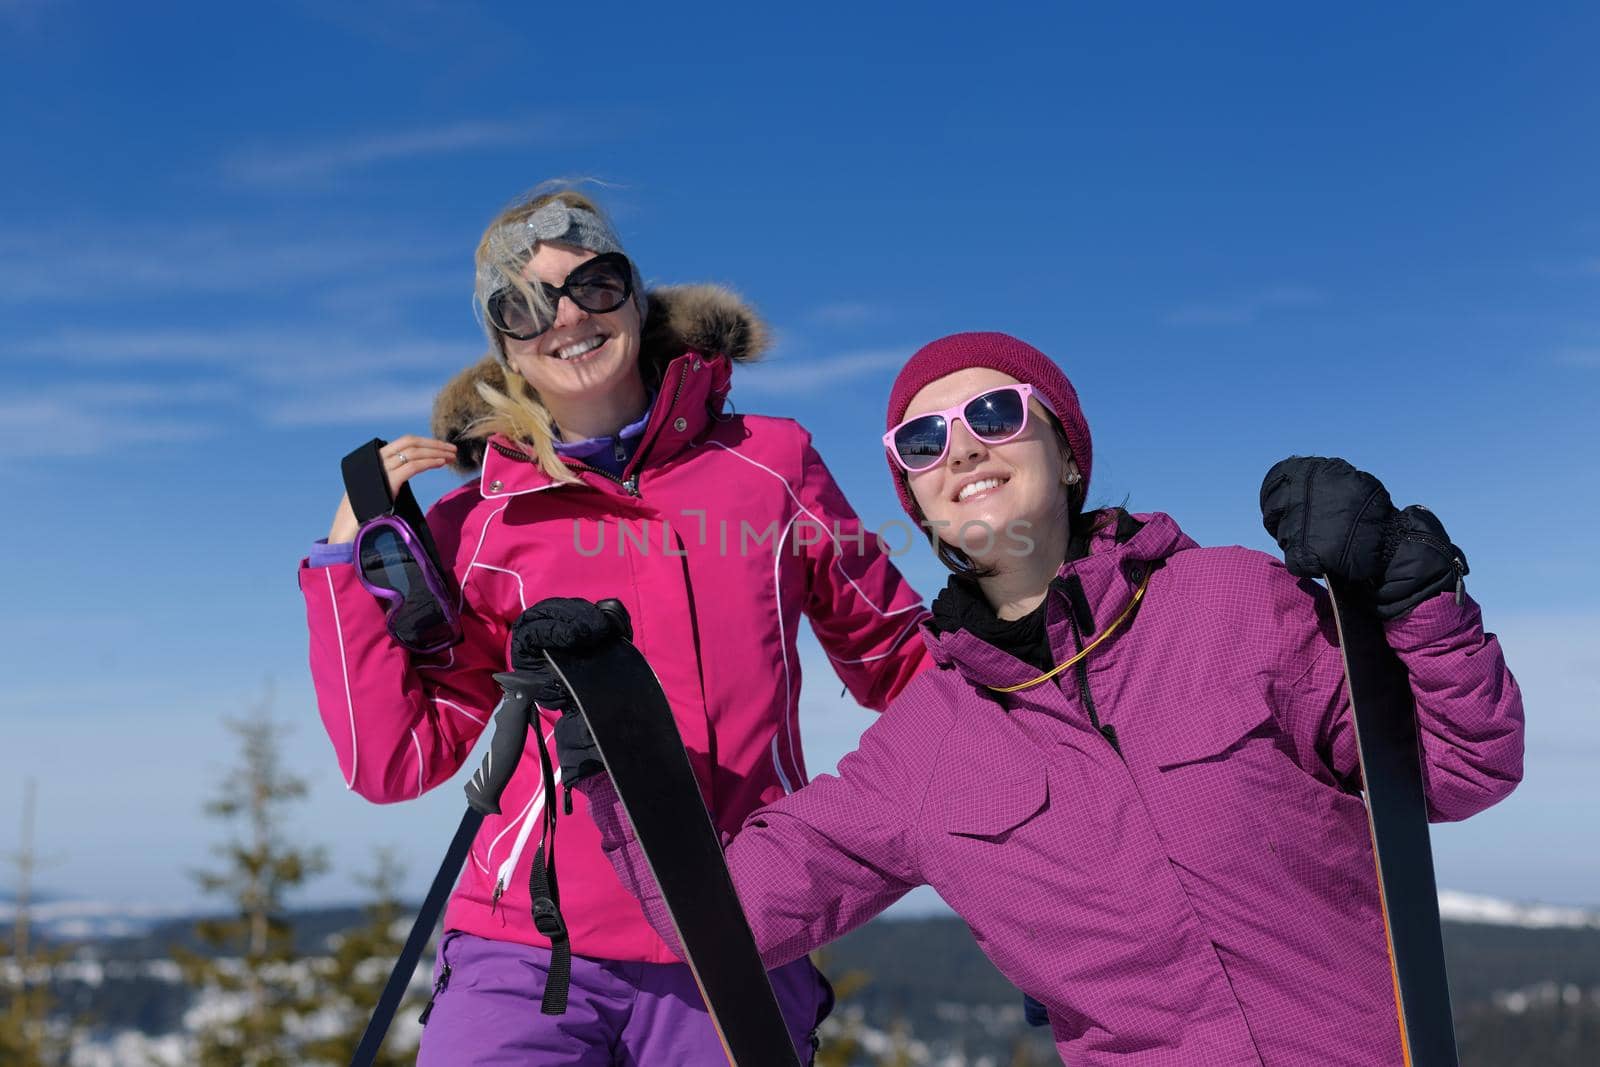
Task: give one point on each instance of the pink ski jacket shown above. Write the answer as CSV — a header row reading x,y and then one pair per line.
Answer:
x,y
1204,896
723,531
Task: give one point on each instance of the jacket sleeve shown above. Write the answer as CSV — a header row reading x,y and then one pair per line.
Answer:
x,y
1469,708
864,613
808,868
400,723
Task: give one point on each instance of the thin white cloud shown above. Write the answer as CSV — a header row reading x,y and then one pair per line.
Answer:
x,y
284,357
95,418
1578,357
800,374
844,313
395,403
318,163
75,265
1248,308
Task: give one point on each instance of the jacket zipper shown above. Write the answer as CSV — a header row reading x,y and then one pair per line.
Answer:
x,y
630,485
1105,730
438,987
1457,564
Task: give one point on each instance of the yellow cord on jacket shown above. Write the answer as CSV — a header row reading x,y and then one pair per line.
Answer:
x,y
1138,595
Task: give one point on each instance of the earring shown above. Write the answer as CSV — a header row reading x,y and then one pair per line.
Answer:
x,y
1072,479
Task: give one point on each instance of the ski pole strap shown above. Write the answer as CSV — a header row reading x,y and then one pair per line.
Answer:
x,y
545,893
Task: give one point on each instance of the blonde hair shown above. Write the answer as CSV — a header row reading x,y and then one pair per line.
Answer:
x,y
516,411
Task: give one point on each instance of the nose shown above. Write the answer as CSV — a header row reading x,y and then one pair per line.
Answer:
x,y
965,449
568,313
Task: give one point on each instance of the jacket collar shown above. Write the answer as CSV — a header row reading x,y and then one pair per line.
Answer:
x,y
693,390
1120,557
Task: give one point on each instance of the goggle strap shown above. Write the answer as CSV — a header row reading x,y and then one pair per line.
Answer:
x,y
366,482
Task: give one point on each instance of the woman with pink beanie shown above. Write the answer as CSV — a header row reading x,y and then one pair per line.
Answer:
x,y
1133,773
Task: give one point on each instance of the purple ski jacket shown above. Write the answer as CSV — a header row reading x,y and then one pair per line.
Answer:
x,y
1204,895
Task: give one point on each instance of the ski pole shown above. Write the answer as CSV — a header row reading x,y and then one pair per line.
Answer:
x,y
511,722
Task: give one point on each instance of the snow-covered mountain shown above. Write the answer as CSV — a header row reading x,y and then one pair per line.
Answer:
x,y
1470,908
88,920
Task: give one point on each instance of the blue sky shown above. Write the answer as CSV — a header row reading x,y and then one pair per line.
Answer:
x,y
233,247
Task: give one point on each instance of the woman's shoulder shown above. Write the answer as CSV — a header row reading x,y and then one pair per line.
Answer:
x,y
1243,586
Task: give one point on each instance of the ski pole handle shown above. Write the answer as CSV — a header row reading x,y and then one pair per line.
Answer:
x,y
511,721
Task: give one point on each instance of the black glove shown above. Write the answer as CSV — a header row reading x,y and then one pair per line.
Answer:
x,y
1330,518
1423,564
565,623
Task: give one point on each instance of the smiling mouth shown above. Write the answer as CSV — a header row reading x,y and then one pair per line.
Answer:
x,y
979,486
578,349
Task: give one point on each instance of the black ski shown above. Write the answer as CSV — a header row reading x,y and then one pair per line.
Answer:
x,y
1385,720
619,697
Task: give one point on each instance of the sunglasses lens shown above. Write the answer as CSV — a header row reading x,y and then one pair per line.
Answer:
x,y
995,415
510,314
920,442
600,285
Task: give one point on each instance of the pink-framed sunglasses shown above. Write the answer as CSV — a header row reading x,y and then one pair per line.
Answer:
x,y
994,417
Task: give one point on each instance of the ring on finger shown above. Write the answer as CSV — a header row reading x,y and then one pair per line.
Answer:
x,y
401,456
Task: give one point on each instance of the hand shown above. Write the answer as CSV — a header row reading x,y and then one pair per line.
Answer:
x,y
565,623
1328,518
404,458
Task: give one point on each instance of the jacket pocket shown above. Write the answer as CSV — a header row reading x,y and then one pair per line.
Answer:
x,y
991,809
1209,730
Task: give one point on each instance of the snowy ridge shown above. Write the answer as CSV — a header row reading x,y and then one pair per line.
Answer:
x,y
1468,908
79,920
87,919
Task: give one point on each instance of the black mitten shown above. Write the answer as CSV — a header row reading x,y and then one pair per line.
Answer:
x,y
1327,517
565,623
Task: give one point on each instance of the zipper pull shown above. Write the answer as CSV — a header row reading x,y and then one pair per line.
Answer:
x,y
438,987
1460,569
499,891
566,799
631,484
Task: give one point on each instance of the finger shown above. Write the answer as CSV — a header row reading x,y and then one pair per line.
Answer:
x,y
411,446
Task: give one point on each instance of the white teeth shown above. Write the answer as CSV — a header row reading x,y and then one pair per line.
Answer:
x,y
580,348
978,487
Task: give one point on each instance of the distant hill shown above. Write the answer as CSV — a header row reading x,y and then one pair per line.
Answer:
x,y
1526,988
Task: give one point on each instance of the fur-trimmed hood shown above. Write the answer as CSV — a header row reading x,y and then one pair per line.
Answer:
x,y
708,319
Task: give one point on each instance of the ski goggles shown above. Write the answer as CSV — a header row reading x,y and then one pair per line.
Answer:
x,y
598,285
394,567
395,556
994,417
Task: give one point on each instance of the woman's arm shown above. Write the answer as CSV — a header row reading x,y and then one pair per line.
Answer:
x,y
817,863
400,723
865,614
1469,708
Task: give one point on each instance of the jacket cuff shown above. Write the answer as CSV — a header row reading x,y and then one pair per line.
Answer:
x,y
323,554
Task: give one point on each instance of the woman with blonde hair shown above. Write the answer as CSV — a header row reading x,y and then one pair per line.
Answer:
x,y
608,465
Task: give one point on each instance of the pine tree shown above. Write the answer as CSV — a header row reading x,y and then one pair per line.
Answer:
x,y
265,994
841,1031
354,975
27,1036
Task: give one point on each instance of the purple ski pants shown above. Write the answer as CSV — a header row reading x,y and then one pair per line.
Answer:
x,y
618,1014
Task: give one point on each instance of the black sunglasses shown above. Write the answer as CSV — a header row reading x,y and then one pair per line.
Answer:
x,y
599,285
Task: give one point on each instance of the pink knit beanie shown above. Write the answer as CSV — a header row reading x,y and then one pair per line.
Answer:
x,y
997,351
